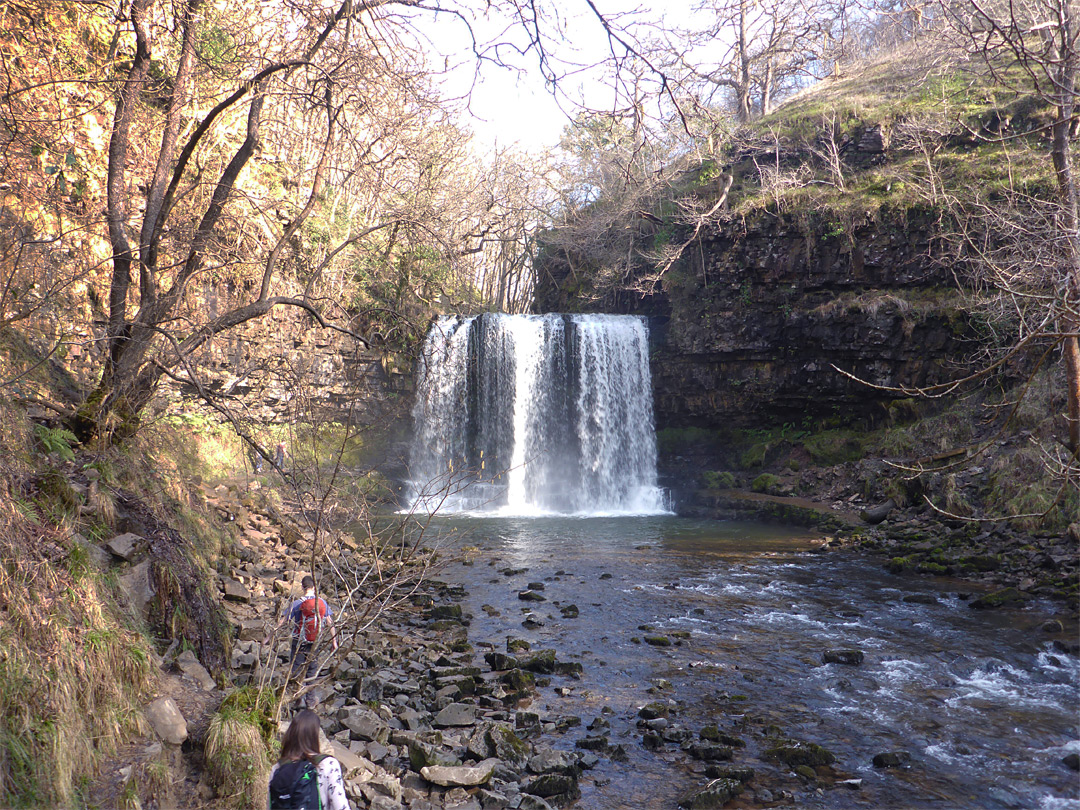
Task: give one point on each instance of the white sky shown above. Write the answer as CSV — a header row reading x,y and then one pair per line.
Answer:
x,y
515,107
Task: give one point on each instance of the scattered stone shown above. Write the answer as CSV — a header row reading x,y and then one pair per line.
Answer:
x,y
658,641
531,596
570,612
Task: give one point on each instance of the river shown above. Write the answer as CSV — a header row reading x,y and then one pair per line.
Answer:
x,y
980,699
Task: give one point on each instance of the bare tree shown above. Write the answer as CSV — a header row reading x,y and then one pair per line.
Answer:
x,y
1033,48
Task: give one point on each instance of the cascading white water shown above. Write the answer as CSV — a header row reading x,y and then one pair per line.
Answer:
x,y
535,414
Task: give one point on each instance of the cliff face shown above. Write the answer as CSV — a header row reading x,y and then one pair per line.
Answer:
x,y
749,326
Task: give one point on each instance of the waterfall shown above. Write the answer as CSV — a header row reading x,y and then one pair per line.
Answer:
x,y
535,414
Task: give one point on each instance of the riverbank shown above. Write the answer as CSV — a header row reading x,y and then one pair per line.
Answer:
x,y
485,684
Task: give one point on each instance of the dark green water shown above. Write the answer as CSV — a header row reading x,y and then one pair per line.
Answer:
x,y
982,702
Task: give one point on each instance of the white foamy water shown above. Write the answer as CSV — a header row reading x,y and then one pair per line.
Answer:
x,y
534,416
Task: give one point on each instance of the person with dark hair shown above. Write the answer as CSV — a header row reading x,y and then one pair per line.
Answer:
x,y
301,764
310,615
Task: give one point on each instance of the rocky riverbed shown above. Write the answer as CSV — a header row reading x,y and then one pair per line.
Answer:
x,y
447,698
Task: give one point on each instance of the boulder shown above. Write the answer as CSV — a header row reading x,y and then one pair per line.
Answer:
x,y
167,721
793,754
459,775
190,666
353,766
562,786
125,545
97,556
892,759
456,714
876,514
138,587
850,657
236,591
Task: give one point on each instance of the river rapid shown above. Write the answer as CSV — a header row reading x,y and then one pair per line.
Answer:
x,y
981,700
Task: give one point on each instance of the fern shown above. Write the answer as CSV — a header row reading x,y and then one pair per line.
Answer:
x,y
56,440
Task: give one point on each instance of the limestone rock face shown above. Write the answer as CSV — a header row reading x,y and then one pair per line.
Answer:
x,y
760,311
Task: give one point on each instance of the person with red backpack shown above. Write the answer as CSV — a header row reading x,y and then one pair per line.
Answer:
x,y
303,777
310,615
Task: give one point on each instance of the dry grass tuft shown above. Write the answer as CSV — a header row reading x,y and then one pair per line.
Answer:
x,y
237,761
71,677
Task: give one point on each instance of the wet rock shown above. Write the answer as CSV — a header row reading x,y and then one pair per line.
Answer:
x,y
1052,626
535,586
561,788
570,669
542,661
532,621
593,743
892,759
518,680
715,794
526,801
508,746
653,710
1005,596
517,645
1072,761
459,775
500,661
652,741
444,612
849,657
531,596
729,772
794,753
921,599
550,760
658,641
714,734
876,514
528,722
708,752
570,611
167,721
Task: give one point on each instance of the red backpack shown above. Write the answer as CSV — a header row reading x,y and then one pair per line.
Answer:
x,y
312,618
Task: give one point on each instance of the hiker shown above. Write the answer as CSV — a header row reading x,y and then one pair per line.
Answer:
x,y
279,456
304,777
309,615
